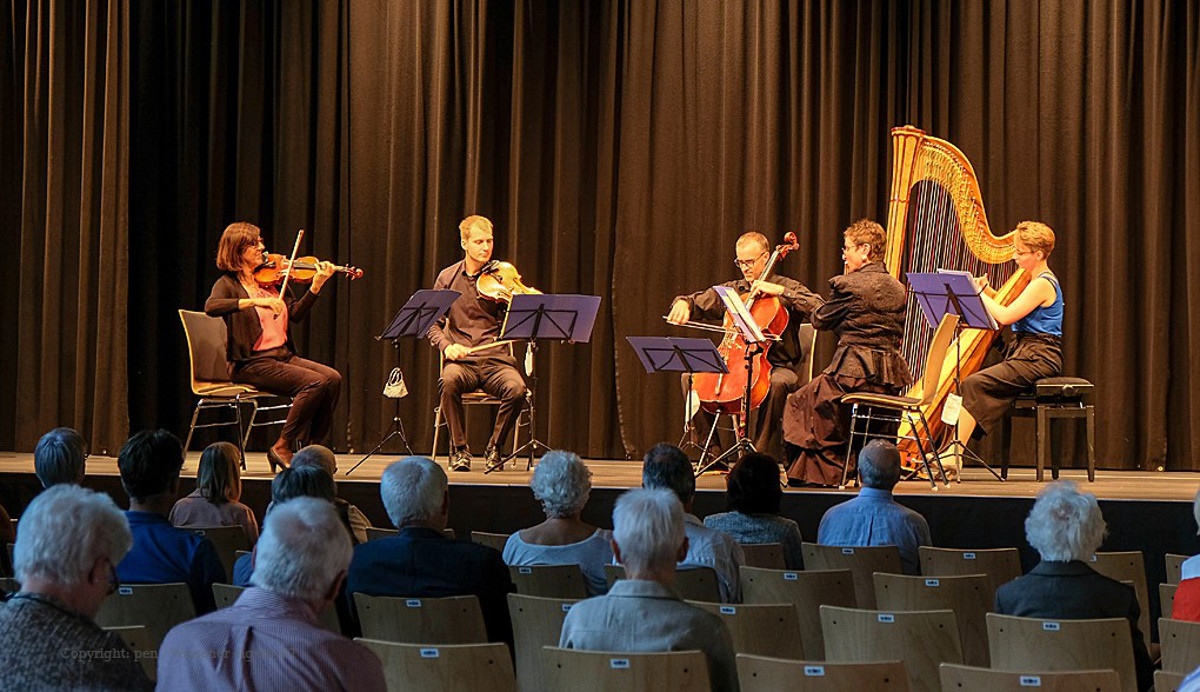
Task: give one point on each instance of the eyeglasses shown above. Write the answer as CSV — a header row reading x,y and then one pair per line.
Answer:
x,y
847,248
746,264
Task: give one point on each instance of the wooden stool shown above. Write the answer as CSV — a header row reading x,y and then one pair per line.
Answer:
x,y
1052,398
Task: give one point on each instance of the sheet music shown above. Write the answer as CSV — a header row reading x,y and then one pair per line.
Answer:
x,y
741,316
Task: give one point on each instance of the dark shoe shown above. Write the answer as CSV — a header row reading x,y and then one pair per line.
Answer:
x,y
460,460
275,460
495,462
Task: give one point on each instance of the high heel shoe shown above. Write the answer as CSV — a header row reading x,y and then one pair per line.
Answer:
x,y
274,460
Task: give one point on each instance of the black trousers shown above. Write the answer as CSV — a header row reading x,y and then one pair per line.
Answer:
x,y
314,389
765,421
496,376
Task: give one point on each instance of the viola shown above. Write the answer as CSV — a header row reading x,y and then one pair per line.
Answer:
x,y
275,267
500,281
723,392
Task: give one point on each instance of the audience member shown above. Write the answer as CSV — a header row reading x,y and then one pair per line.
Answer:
x,y
149,463
643,612
1066,527
291,482
562,483
70,540
317,455
269,638
215,501
420,562
666,466
1187,595
753,492
60,457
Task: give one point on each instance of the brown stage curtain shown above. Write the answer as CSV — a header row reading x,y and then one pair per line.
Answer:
x,y
64,99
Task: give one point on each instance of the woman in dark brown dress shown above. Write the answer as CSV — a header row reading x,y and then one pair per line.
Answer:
x,y
866,311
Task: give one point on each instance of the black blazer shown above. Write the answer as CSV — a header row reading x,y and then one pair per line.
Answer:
x,y
1075,591
243,325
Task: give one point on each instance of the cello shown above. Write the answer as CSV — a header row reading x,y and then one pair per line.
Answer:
x,y
724,392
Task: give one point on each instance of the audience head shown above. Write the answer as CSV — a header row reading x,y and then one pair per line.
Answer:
x,y
1064,523
666,466
879,465
70,542
302,481
316,455
414,493
562,483
752,486
220,477
648,533
1196,510
149,462
303,552
60,457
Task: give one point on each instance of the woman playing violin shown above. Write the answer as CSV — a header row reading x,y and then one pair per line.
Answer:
x,y
259,346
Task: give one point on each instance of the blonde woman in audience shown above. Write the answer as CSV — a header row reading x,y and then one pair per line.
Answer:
x,y
562,483
215,501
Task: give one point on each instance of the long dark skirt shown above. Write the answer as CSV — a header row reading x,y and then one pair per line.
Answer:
x,y
816,428
989,393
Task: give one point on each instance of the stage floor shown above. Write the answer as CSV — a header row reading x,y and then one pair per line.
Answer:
x,y
615,474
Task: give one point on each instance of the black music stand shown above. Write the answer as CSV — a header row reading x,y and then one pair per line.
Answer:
x,y
675,354
953,293
413,320
530,317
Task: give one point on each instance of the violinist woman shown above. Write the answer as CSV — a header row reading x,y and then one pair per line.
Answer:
x,y
866,310
474,320
259,346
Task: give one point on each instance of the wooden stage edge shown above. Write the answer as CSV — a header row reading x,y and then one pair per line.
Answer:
x,y
1175,486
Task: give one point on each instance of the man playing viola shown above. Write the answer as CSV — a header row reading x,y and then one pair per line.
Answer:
x,y
786,356
472,321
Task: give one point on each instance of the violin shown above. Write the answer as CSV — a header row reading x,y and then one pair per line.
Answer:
x,y
500,281
275,267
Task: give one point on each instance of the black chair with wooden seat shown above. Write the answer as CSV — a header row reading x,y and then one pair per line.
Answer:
x,y
1056,398
210,374
475,398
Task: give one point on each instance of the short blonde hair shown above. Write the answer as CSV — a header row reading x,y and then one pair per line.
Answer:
x,y
755,237
1036,236
473,221
236,238
868,232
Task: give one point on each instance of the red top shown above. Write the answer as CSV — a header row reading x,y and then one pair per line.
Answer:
x,y
274,327
1187,601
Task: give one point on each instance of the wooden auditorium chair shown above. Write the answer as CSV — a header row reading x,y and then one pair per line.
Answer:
x,y
923,639
807,591
762,674
862,562
967,595
445,667
1019,644
602,671
448,620
537,622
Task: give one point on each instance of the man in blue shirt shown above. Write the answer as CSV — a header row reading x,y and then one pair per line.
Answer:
x,y
150,462
874,518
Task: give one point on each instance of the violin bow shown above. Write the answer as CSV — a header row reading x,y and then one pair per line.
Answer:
x,y
288,275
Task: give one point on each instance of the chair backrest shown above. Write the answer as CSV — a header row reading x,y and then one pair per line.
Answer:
x,y
603,671
1180,645
762,674
1017,643
449,620
693,583
157,607
764,555
446,667
491,540
966,595
377,532
766,629
536,622
226,594
1174,565
549,581
999,565
861,561
206,338
958,678
807,591
1166,600
936,357
138,641
228,540
1128,566
923,639
806,335
1167,682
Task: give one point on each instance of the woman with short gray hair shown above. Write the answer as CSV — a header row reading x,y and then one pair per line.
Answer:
x,y
66,554
1066,527
562,483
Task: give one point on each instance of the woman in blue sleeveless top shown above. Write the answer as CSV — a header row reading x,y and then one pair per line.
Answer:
x,y
1036,319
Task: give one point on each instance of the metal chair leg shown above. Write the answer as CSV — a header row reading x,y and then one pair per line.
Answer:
x,y
1091,443
849,445
937,456
249,428
192,427
437,426
241,445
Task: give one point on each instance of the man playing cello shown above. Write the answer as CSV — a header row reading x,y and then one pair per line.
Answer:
x,y
786,356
